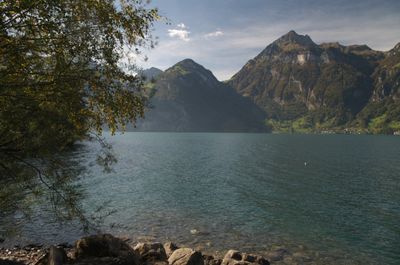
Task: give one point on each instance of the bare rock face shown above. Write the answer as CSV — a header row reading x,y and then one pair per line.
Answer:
x,y
186,256
233,257
151,253
170,248
105,249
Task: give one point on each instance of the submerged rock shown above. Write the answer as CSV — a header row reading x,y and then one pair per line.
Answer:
x,y
233,257
278,254
186,256
302,256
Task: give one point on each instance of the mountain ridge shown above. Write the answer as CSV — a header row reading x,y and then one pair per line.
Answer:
x,y
303,86
298,85
187,98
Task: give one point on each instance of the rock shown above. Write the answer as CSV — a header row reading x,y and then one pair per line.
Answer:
x,y
57,256
43,259
101,246
151,252
65,245
302,256
186,256
101,261
233,257
289,260
210,260
169,248
32,246
278,254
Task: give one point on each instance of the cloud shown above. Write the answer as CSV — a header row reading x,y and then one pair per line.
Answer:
x,y
180,32
213,34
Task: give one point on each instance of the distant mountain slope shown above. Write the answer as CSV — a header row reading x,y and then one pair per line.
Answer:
x,y
303,86
151,73
187,97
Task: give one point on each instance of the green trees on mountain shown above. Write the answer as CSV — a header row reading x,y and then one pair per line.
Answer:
x,y
62,80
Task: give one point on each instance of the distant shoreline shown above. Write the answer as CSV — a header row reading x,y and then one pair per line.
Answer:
x,y
272,132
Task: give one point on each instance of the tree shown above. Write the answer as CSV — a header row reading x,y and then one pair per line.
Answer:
x,y
62,80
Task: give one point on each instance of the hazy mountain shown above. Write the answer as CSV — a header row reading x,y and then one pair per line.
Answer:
x,y
304,86
188,97
151,73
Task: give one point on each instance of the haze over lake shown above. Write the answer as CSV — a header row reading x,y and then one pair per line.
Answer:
x,y
333,198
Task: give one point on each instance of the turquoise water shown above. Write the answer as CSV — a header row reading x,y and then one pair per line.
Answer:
x,y
333,198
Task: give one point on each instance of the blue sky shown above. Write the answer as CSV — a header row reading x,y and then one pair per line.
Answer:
x,y
223,35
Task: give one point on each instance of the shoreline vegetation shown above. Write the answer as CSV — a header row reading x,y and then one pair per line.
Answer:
x,y
296,127
332,131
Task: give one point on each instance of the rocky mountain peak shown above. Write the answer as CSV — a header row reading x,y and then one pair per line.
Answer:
x,y
192,69
293,38
189,64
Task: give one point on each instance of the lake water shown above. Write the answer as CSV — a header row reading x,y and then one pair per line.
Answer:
x,y
326,199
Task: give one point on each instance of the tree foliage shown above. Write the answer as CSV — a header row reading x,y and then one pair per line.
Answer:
x,y
62,79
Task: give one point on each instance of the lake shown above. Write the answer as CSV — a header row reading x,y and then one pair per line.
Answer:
x,y
329,199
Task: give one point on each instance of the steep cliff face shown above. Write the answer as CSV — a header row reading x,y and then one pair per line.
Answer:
x,y
317,86
387,76
382,113
188,97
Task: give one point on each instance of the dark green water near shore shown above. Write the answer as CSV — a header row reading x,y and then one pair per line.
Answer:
x,y
334,198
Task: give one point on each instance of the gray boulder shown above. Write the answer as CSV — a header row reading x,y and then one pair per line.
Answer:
x,y
233,257
186,256
151,253
170,248
112,249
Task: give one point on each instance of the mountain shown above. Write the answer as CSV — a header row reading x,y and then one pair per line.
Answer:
x,y
382,113
303,86
151,73
188,97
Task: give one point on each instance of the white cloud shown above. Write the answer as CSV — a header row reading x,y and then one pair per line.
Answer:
x,y
213,34
180,32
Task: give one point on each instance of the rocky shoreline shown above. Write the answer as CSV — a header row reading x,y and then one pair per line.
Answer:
x,y
106,249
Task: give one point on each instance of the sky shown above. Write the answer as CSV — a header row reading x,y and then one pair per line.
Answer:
x,y
222,35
